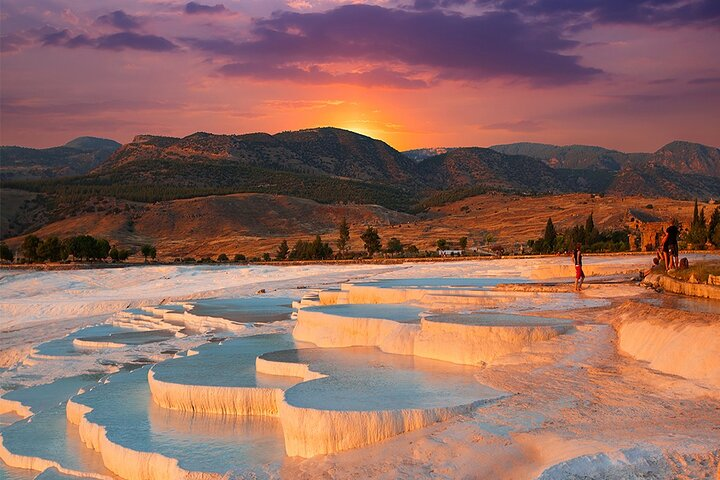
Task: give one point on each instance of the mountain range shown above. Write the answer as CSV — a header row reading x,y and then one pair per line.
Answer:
x,y
76,157
330,165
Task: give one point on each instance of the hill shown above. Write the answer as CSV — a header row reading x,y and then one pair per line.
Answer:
x,y
677,156
247,223
688,158
91,144
486,168
253,224
76,157
420,154
571,156
328,166
321,151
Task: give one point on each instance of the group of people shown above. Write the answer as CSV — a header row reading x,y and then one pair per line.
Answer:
x,y
668,252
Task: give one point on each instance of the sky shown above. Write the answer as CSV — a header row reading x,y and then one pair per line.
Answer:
x,y
624,74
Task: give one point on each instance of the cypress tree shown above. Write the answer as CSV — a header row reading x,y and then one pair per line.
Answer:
x,y
549,236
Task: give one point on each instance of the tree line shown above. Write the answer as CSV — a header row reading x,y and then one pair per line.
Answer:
x,y
702,232
588,235
81,247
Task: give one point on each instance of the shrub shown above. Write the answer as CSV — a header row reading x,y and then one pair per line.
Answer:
x,y
5,253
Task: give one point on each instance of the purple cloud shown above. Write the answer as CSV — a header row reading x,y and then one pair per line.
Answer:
x,y
12,43
116,41
584,13
704,80
449,46
432,4
194,8
120,20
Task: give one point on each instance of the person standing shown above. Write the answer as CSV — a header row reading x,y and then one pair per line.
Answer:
x,y
673,248
579,274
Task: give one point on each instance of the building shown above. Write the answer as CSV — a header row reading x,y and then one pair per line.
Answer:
x,y
646,230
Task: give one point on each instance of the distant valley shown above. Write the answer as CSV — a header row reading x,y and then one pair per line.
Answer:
x,y
98,184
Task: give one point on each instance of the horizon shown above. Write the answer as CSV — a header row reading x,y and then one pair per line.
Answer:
x,y
413,74
374,138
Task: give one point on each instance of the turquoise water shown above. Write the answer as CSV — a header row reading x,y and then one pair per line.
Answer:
x,y
131,338
42,397
64,346
245,310
364,378
230,363
49,435
9,473
395,312
201,442
53,474
498,319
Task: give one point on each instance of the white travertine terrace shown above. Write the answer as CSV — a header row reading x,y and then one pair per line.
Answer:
x,y
314,396
123,461
309,432
41,464
14,406
320,417
332,326
215,399
476,339
679,343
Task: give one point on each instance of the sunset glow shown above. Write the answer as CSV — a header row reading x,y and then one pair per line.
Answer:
x,y
625,75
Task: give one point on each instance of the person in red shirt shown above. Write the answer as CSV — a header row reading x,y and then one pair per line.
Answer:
x,y
579,274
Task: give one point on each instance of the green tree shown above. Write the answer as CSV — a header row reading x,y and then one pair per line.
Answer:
x,y
114,254
83,247
223,258
412,249
239,257
5,253
714,227
442,244
282,251
463,243
698,233
343,242
591,233
394,246
51,249
549,236
266,257
320,250
148,250
29,247
371,240
102,249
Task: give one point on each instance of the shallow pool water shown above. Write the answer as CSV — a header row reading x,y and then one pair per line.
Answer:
x,y
42,397
396,312
688,304
48,435
201,442
245,309
230,363
130,338
9,473
365,378
64,346
498,320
